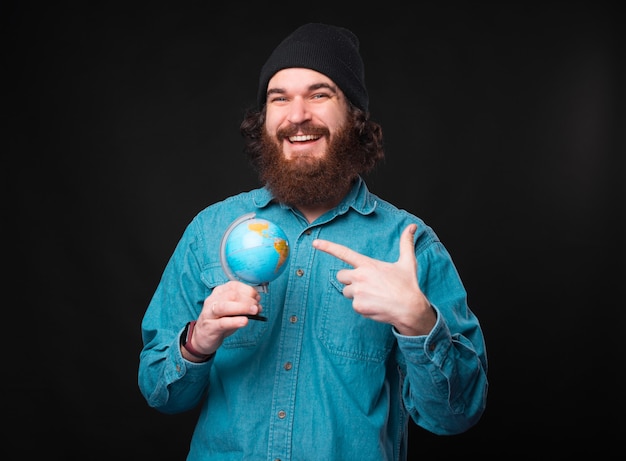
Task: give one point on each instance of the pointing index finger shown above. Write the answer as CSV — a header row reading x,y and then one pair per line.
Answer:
x,y
341,252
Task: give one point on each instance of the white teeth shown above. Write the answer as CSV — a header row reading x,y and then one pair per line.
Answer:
x,y
306,137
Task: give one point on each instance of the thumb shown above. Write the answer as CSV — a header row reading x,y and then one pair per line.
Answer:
x,y
407,246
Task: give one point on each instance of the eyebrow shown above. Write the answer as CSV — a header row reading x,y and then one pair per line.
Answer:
x,y
315,86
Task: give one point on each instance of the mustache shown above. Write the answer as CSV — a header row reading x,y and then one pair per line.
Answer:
x,y
303,129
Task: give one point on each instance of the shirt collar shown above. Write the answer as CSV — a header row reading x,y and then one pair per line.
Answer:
x,y
359,198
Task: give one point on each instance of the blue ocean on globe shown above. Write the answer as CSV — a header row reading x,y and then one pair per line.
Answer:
x,y
256,251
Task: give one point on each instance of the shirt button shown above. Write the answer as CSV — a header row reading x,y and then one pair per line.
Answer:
x,y
282,414
307,232
288,366
299,272
293,319
432,346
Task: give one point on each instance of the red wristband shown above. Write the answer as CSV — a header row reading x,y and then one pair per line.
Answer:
x,y
187,334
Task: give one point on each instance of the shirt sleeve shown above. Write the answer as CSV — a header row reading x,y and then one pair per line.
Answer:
x,y
445,383
177,300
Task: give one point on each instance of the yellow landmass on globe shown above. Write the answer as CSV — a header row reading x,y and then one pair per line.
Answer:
x,y
282,248
280,245
258,227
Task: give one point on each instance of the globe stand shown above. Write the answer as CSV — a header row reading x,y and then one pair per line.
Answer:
x,y
223,260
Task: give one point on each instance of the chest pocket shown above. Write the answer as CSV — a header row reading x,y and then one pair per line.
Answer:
x,y
348,334
250,335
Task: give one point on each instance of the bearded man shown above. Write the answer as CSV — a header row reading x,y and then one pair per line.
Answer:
x,y
366,329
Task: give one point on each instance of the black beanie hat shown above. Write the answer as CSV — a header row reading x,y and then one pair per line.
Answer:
x,y
330,50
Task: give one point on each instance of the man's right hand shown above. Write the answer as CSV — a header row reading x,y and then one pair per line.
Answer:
x,y
223,313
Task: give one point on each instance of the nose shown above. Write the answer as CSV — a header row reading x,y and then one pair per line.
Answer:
x,y
298,111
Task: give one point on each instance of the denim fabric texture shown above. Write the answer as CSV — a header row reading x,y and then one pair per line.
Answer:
x,y
317,381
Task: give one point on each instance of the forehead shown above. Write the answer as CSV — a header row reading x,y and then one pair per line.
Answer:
x,y
298,77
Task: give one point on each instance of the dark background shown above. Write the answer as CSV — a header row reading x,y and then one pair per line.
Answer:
x,y
504,130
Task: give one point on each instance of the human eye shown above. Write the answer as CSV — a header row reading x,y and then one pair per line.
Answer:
x,y
277,95
320,95
277,99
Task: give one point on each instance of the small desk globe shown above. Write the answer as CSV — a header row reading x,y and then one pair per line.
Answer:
x,y
254,251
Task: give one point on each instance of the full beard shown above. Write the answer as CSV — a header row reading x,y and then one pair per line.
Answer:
x,y
306,181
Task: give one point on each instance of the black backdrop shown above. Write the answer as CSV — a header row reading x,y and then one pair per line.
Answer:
x,y
504,128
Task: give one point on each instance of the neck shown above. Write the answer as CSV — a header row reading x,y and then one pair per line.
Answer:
x,y
312,212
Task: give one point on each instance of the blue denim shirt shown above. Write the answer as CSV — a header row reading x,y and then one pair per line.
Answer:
x,y
317,380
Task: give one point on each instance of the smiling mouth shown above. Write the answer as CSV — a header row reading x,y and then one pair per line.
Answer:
x,y
304,138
